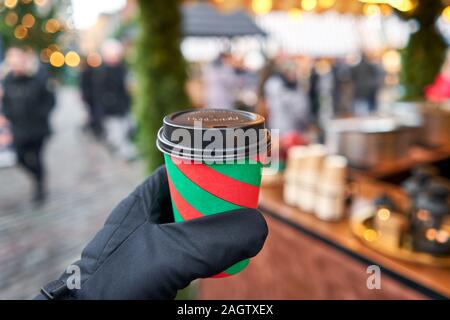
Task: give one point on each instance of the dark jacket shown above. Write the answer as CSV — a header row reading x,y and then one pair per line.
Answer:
x,y
367,78
86,85
27,103
109,90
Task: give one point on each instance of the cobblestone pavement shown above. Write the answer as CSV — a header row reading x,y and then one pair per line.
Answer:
x,y
85,183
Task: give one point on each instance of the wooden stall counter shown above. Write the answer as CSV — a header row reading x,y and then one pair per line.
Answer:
x,y
306,258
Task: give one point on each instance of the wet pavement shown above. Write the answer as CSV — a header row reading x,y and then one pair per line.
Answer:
x,y
85,183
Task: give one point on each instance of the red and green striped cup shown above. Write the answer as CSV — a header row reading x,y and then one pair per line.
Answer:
x,y
205,181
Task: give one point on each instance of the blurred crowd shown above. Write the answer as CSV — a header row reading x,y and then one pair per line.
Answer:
x,y
296,97
28,97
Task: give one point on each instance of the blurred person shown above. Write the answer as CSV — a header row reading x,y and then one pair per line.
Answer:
x,y
86,87
287,103
342,96
367,79
27,103
313,92
220,83
111,99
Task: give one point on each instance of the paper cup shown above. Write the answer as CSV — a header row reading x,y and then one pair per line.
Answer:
x,y
203,182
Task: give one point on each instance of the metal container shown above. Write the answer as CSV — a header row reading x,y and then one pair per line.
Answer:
x,y
436,124
370,141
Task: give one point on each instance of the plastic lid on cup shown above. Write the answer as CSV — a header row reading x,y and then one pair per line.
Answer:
x,y
213,134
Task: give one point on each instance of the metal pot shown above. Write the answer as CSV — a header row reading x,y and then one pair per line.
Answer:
x,y
369,141
436,124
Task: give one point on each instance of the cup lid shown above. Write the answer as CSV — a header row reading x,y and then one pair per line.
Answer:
x,y
213,134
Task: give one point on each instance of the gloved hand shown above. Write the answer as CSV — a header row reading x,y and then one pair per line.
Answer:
x,y
141,254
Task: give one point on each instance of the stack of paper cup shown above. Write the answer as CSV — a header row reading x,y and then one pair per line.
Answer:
x,y
330,196
309,176
294,168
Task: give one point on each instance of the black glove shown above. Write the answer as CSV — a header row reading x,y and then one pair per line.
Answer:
x,y
141,254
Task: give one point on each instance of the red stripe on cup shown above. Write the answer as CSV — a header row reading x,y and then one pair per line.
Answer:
x,y
220,185
221,275
186,211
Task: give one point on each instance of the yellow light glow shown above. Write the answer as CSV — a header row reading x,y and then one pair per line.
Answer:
x,y
20,32
11,19
391,61
261,6
403,5
52,26
446,14
386,10
376,1
57,59
28,20
72,59
442,236
94,60
309,5
384,214
326,4
370,235
10,4
431,234
423,215
295,14
371,10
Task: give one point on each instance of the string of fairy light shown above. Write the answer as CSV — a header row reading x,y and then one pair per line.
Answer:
x,y
295,8
53,53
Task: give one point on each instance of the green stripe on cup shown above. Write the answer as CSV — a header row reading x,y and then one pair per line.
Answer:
x,y
207,203
198,198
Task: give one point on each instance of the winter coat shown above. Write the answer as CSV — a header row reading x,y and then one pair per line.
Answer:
x,y
27,103
109,90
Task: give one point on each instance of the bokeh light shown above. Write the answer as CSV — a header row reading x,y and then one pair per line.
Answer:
x,y
326,4
446,14
10,4
384,214
309,5
52,26
57,59
261,6
391,60
370,235
11,19
72,59
20,32
28,20
371,9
